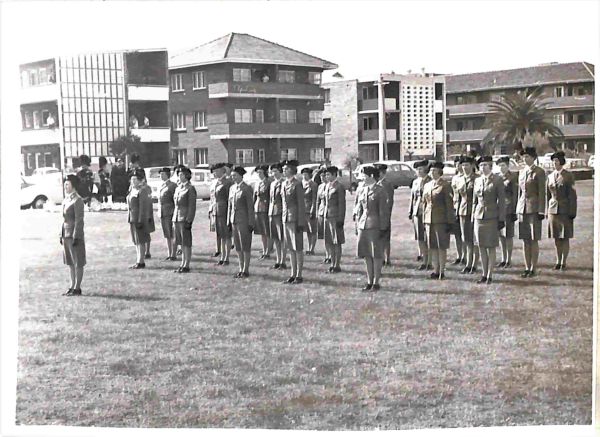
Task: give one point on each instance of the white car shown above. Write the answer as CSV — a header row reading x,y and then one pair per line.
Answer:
x,y
201,179
35,195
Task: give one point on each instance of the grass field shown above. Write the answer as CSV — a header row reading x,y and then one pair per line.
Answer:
x,y
151,348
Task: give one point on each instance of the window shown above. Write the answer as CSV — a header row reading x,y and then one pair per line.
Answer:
x,y
459,126
244,156
201,155
559,91
179,121
315,117
287,154
241,75
327,95
328,154
438,121
369,92
177,82
199,80
260,116
261,155
370,123
317,155
45,115
28,117
200,120
285,76
327,124
243,115
314,77
558,119
180,156
287,116
459,100
36,119
439,91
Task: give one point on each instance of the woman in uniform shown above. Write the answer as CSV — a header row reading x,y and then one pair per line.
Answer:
x,y
137,218
167,207
415,211
438,217
531,206
510,181
240,217
294,220
335,214
371,219
86,179
310,206
321,212
561,208
489,212
276,233
461,257
261,208
72,235
219,197
465,210
183,217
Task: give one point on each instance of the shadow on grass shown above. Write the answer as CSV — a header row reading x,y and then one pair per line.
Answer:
x,y
126,297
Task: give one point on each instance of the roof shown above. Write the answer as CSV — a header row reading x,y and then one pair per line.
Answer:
x,y
244,48
521,77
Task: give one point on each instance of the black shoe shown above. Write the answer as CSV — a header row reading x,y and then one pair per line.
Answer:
x,y
507,264
482,280
463,261
167,259
327,260
226,263
276,266
501,264
184,270
238,275
173,258
69,292
442,277
422,267
245,275
465,270
429,266
282,266
267,256
76,292
525,274
177,270
217,253
434,275
220,262
289,280
138,266
148,256
457,261
376,287
557,267
261,257
419,258
298,280
367,287
532,273
563,267
473,270
489,280
387,264
330,270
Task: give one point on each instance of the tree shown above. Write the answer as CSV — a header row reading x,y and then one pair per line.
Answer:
x,y
518,118
126,145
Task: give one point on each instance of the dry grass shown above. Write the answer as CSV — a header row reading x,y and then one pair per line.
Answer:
x,y
155,349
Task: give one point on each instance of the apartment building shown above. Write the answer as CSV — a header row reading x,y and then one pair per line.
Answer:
x,y
570,96
246,100
74,105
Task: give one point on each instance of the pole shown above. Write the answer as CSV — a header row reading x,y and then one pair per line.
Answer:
x,y
381,113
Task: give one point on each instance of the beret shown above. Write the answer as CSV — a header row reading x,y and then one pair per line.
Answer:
x,y
307,170
165,170
423,163
438,164
529,151
332,169
239,170
503,159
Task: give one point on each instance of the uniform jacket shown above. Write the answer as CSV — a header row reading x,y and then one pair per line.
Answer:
x,y
416,194
262,194
310,197
464,187
562,198
219,196
335,202
371,208
137,204
240,210
511,191
389,190
166,198
146,204
321,199
292,205
437,202
488,198
532,191
275,206
73,210
185,203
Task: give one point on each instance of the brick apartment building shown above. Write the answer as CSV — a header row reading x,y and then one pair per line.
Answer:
x,y
391,116
73,105
246,100
570,95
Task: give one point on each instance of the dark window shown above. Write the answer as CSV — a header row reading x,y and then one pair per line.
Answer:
x,y
459,125
439,90
370,123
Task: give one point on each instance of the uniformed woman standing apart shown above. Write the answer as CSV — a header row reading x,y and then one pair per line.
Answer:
x,y
335,214
530,209
139,221
371,219
511,187
438,217
294,220
183,217
167,207
240,217
489,215
321,212
261,208
465,211
310,188
415,211
276,233
561,208
71,236
461,257
217,211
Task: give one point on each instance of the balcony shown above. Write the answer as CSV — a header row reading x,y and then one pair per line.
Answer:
x,y
39,93
229,131
33,137
153,134
265,90
577,130
468,110
571,102
467,135
371,105
148,93
372,136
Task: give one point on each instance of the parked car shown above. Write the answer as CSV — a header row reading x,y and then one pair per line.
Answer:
x,y
201,179
400,174
591,161
449,169
35,195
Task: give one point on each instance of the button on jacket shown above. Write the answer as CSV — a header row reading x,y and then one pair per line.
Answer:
x,y
488,198
310,197
275,207
185,203
262,194
532,191
321,200
562,198
464,187
292,205
416,195
335,202
437,203
240,210
219,197
371,208
165,198
73,211
511,191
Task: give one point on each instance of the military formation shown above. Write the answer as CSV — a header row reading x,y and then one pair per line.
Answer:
x,y
479,208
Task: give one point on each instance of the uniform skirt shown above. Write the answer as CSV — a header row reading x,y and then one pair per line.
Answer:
x,y
530,227
485,233
242,238
320,227
418,227
369,243
139,236
311,224
437,236
293,240
183,236
333,234
466,229
560,226
261,223
276,228
74,255
509,230
220,225
167,226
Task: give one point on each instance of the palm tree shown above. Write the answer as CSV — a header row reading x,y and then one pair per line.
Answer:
x,y
516,117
